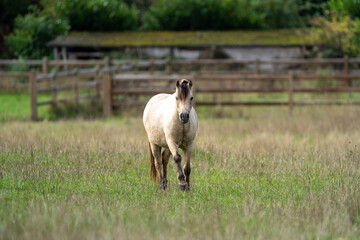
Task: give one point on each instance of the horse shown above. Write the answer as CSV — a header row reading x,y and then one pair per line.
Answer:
x,y
171,123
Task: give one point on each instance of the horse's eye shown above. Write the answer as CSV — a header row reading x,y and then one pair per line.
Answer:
x,y
191,98
176,98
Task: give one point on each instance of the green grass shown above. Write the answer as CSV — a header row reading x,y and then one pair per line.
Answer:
x,y
264,175
16,106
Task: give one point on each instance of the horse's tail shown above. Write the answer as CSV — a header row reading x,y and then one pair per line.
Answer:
x,y
152,166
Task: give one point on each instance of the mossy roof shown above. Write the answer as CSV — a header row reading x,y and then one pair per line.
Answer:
x,y
184,38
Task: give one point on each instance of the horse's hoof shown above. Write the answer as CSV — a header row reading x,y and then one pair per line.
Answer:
x,y
163,185
184,186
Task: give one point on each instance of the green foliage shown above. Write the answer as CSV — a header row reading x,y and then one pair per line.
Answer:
x,y
32,32
10,9
228,14
348,7
142,5
278,13
336,37
98,15
311,8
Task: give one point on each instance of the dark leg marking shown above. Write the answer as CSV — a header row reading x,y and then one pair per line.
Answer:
x,y
177,158
181,176
187,171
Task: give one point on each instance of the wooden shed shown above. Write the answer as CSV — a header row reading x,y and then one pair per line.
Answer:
x,y
240,45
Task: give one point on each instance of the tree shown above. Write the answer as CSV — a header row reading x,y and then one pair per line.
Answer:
x,y
32,32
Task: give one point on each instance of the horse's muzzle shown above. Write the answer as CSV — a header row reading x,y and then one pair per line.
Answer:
x,y
184,117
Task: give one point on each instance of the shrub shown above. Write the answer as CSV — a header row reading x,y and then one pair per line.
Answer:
x,y
348,7
336,37
227,14
279,13
32,32
9,9
99,15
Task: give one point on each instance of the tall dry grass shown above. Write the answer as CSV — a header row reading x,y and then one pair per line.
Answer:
x,y
264,175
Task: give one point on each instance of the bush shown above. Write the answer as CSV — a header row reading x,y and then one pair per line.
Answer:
x,y
219,15
10,9
32,32
279,13
348,7
336,37
98,15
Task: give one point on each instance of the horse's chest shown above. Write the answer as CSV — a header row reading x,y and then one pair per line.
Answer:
x,y
181,136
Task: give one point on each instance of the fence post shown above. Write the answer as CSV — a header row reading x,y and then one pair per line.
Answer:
x,y
346,69
97,80
107,96
257,66
346,64
107,61
135,67
168,67
54,88
64,54
151,67
45,65
33,95
76,85
291,91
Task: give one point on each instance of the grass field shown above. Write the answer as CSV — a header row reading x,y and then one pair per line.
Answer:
x,y
16,106
260,175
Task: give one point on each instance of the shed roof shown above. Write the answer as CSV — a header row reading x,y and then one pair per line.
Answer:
x,y
183,38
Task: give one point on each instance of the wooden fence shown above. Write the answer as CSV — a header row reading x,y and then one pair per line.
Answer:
x,y
124,83
130,85
68,81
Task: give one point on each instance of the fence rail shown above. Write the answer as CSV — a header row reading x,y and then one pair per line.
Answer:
x,y
203,85
75,86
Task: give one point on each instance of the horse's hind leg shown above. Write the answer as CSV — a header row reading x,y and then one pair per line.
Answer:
x,y
165,160
156,151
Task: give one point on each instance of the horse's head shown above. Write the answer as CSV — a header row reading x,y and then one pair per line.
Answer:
x,y
184,99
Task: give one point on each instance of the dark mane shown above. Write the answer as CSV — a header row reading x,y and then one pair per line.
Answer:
x,y
183,91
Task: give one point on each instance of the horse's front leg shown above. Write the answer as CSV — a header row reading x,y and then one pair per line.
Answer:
x,y
174,149
187,168
156,151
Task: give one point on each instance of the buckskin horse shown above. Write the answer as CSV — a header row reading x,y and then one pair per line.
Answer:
x,y
171,124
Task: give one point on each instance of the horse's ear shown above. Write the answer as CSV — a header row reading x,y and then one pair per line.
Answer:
x,y
177,83
190,83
